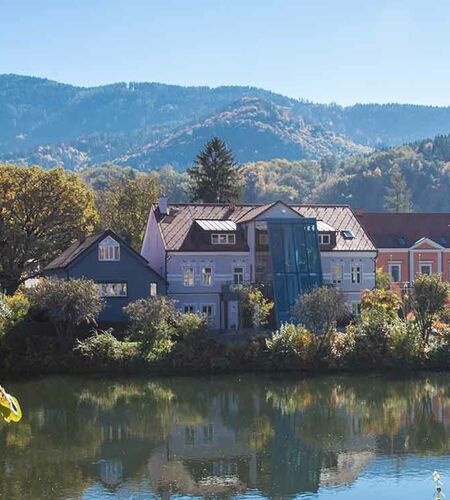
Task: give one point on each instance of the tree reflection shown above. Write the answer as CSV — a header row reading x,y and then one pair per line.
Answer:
x,y
215,437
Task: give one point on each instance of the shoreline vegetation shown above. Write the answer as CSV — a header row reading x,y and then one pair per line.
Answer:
x,y
51,329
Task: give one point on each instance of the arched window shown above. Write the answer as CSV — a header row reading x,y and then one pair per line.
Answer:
x,y
109,249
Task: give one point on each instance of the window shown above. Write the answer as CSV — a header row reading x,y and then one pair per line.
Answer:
x,y
425,268
324,239
207,276
109,249
356,274
395,272
189,309
188,276
356,308
347,234
208,311
223,239
337,274
153,289
112,289
238,275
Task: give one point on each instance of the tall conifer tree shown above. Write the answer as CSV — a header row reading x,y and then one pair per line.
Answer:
x,y
215,176
398,196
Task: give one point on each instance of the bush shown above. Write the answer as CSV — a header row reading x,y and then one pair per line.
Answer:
x,y
431,296
255,308
13,308
191,329
321,309
67,304
385,301
104,348
294,345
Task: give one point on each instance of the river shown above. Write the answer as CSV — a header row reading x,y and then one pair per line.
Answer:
x,y
244,437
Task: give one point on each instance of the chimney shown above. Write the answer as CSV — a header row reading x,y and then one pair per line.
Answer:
x,y
162,205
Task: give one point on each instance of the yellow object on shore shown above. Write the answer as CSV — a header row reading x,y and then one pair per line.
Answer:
x,y
9,407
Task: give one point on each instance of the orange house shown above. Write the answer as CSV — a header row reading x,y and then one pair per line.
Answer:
x,y
409,243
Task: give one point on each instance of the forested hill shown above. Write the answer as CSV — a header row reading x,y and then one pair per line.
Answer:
x,y
148,125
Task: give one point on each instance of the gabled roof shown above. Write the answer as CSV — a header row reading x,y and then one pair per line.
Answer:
x,y
176,226
404,230
79,247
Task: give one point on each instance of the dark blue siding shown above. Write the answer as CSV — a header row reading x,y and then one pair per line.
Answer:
x,y
130,269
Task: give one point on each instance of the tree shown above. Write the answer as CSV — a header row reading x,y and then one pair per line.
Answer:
x,y
321,309
382,279
255,309
41,213
398,196
215,176
67,304
386,301
431,296
124,206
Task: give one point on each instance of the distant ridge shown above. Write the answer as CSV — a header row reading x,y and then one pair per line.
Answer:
x,y
148,125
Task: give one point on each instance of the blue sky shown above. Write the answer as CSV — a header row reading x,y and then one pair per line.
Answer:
x,y
343,51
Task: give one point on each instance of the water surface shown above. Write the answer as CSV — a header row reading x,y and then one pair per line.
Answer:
x,y
247,437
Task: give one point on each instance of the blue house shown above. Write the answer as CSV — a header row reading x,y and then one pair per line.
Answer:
x,y
121,273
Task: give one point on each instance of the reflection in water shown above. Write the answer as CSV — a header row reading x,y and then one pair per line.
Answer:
x,y
85,438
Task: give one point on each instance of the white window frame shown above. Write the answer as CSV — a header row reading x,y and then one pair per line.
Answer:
x,y
213,311
109,250
105,290
188,277
322,238
356,274
391,265
333,274
153,289
223,238
190,306
207,282
240,273
425,264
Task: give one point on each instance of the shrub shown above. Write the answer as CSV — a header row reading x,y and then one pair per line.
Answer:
x,y
294,344
102,346
431,296
13,308
385,301
67,304
404,343
255,308
321,309
191,328
152,318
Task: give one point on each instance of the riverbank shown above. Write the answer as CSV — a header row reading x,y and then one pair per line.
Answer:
x,y
25,352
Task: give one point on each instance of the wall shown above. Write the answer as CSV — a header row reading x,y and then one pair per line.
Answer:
x,y
222,266
365,260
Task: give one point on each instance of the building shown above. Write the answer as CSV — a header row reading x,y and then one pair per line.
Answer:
x,y
410,243
204,249
121,273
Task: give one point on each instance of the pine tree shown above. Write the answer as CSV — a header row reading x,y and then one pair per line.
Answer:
x,y
398,196
215,176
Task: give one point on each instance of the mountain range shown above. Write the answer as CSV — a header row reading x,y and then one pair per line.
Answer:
x,y
149,125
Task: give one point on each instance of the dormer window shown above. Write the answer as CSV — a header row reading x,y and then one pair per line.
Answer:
x,y
324,239
109,249
223,239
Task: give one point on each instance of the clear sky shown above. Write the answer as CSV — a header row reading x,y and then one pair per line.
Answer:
x,y
344,51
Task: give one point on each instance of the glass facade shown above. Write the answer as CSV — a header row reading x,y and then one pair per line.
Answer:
x,y
296,264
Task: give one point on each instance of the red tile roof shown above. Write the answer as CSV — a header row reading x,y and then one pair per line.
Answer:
x,y
176,226
387,229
